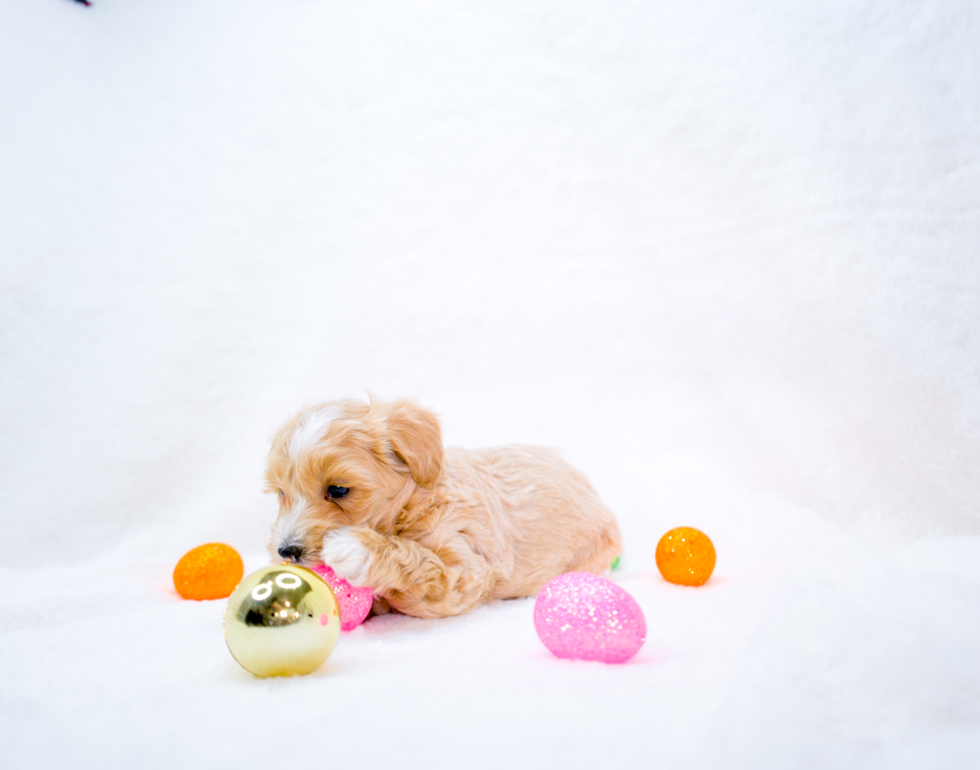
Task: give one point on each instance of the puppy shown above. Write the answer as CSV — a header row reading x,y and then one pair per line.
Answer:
x,y
369,490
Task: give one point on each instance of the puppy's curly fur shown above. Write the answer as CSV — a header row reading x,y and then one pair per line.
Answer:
x,y
369,490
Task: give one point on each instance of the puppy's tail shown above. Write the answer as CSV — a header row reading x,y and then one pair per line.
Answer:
x,y
600,555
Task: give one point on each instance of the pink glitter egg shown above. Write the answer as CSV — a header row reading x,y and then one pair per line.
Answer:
x,y
584,616
355,603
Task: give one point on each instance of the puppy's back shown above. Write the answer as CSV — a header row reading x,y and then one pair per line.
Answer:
x,y
544,515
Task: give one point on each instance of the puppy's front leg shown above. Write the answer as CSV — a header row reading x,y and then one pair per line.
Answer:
x,y
414,579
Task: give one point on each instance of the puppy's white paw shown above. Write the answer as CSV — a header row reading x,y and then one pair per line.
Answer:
x,y
346,555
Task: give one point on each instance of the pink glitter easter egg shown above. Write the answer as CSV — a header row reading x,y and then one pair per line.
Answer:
x,y
355,603
584,616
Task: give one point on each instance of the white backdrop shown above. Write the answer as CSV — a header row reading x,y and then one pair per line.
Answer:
x,y
725,256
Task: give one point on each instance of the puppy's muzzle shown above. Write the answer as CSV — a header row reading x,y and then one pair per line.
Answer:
x,y
291,552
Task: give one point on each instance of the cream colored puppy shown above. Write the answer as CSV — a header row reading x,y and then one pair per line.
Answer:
x,y
369,490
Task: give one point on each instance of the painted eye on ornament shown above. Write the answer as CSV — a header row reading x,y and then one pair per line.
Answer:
x,y
336,493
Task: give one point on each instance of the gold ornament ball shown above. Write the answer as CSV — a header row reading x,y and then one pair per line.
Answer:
x,y
282,620
686,556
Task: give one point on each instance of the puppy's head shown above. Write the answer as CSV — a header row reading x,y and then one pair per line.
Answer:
x,y
347,463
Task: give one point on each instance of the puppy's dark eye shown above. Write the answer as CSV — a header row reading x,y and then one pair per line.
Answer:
x,y
336,493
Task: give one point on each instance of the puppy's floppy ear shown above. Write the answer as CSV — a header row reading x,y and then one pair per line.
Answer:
x,y
416,439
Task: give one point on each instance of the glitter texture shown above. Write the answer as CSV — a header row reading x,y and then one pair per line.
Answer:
x,y
355,603
584,616
686,556
210,571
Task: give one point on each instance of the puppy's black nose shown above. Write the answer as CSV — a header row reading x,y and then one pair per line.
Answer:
x,y
291,552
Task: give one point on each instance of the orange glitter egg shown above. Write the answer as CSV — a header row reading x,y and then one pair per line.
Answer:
x,y
685,556
210,571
